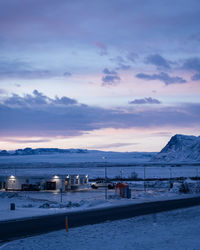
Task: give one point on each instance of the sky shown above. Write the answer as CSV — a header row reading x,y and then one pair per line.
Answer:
x,y
117,75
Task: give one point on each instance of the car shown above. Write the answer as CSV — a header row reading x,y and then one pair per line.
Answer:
x,y
103,183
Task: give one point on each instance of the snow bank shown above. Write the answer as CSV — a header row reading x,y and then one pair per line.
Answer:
x,y
188,187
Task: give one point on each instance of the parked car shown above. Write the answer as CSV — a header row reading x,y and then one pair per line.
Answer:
x,y
103,183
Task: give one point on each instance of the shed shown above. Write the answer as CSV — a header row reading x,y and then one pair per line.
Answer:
x,y
122,189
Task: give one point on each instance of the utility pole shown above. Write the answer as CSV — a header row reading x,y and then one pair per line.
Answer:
x,y
105,172
144,178
197,173
61,194
106,188
121,173
170,176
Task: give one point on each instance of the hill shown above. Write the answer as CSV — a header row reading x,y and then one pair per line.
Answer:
x,y
180,148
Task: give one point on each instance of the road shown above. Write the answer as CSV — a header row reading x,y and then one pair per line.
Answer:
x,y
14,229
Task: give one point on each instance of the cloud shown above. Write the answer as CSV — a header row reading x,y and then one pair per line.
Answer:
x,y
46,117
123,67
122,64
163,77
118,59
132,56
196,77
114,145
67,73
37,99
27,141
21,69
110,79
64,101
147,100
28,100
109,72
3,91
102,48
195,36
192,64
18,85
31,28
159,61
163,134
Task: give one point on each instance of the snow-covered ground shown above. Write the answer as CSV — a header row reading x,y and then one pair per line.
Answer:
x,y
30,204
178,229
39,203
91,156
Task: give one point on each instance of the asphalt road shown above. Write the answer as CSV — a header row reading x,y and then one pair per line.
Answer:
x,y
14,229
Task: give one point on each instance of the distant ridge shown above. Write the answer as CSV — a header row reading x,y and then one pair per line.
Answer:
x,y
50,151
39,151
180,148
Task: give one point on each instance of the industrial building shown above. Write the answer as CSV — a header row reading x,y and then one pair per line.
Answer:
x,y
37,183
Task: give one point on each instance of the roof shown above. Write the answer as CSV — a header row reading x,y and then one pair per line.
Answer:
x,y
3,176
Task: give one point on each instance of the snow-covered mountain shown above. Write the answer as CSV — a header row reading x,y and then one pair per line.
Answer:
x,y
56,155
41,151
180,148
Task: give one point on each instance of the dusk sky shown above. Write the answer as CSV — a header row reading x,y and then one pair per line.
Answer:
x,y
120,75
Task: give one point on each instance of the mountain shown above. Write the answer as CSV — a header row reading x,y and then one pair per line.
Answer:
x,y
68,156
41,151
180,148
4,153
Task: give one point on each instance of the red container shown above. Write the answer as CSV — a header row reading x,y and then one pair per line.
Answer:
x,y
122,189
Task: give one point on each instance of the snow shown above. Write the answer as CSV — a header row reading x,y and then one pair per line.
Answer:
x,y
170,230
29,204
178,229
180,148
40,203
91,156
33,203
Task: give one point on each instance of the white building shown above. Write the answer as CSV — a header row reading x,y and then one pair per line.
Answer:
x,y
36,183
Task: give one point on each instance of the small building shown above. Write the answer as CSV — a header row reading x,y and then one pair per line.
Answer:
x,y
122,189
37,183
